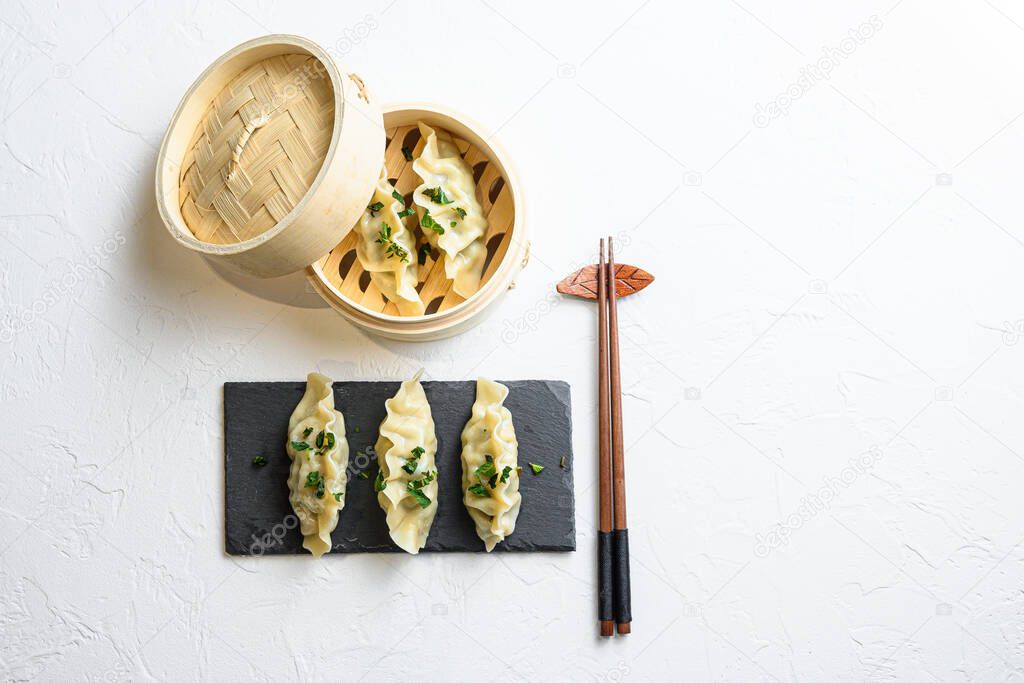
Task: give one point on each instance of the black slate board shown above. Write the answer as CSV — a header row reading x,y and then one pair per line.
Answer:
x,y
259,520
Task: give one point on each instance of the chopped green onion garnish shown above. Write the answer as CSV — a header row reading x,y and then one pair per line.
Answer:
x,y
437,195
537,469
420,497
413,487
487,469
411,463
259,461
420,483
314,479
428,222
392,248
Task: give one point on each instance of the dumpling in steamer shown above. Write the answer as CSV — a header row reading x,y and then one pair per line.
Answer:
x,y
319,453
387,250
406,484
490,473
450,215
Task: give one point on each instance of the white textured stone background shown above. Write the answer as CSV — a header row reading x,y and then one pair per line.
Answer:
x,y
822,389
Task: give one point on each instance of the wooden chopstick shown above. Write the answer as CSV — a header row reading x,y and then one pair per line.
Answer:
x,y
605,612
620,536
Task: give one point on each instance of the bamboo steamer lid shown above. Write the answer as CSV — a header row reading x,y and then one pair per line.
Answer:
x,y
270,158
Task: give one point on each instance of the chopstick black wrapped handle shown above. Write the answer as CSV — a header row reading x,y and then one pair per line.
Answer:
x,y
620,563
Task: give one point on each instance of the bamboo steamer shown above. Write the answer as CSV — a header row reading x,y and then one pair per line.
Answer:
x,y
272,157
341,281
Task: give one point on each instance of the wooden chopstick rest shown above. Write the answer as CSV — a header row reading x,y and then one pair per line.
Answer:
x,y
584,282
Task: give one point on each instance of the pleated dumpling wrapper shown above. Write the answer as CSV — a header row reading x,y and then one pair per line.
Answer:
x,y
387,250
490,472
406,483
319,453
450,216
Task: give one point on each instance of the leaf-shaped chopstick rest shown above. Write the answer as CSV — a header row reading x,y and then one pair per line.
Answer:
x,y
583,283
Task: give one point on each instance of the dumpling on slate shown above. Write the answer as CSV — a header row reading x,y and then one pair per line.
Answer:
x,y
406,483
490,472
319,453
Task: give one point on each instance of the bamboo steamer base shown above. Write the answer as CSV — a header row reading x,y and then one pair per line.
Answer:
x,y
340,279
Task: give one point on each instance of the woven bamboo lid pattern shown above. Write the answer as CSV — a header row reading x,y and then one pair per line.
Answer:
x,y
258,149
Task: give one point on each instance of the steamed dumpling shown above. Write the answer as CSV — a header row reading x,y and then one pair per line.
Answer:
x,y
450,215
319,453
406,484
387,250
490,473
